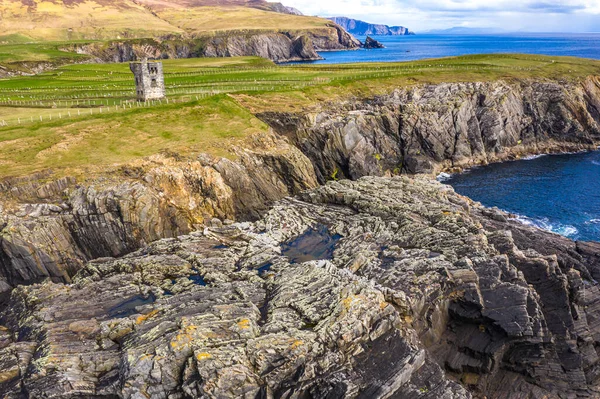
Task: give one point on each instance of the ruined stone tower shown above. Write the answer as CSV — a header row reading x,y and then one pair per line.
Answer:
x,y
149,80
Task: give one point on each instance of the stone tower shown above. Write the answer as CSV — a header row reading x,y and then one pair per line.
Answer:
x,y
149,80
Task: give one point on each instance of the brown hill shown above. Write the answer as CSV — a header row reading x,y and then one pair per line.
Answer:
x,y
60,20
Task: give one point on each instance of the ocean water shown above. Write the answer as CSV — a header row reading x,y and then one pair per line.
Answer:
x,y
560,193
410,48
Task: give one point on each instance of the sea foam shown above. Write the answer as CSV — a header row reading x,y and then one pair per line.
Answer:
x,y
532,157
444,177
545,224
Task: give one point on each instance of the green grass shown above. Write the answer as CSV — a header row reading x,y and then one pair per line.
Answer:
x,y
210,125
210,105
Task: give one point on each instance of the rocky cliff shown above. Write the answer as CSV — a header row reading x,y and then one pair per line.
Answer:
x,y
276,46
362,28
376,288
369,287
428,129
51,228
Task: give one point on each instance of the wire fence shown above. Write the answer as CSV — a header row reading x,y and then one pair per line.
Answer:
x,y
48,103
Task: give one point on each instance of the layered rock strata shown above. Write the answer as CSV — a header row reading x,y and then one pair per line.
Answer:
x,y
276,46
382,287
51,229
428,129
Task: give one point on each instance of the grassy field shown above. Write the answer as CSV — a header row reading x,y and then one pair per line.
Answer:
x,y
215,19
82,115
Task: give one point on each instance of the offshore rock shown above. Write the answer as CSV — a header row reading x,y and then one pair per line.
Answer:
x,y
371,43
381,287
432,128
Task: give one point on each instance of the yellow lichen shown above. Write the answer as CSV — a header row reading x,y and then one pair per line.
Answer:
x,y
145,317
184,338
244,324
203,356
297,344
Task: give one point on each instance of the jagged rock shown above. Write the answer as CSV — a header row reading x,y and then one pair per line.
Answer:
x,y
58,226
371,43
428,129
381,287
276,46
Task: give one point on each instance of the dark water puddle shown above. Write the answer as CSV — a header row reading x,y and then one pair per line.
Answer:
x,y
314,244
197,279
264,313
265,267
221,246
128,307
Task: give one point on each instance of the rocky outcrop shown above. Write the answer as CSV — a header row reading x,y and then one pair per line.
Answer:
x,y
382,287
276,46
428,129
52,229
280,8
362,28
371,43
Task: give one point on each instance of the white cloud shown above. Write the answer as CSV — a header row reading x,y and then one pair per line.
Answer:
x,y
420,15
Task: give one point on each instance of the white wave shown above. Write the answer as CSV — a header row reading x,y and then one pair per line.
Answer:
x,y
545,224
593,221
532,157
444,177
597,163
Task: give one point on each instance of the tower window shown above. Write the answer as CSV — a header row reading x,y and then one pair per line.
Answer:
x,y
153,84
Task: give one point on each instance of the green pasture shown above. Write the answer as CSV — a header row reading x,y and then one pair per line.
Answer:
x,y
86,114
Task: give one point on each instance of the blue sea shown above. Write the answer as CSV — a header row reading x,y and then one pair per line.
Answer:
x,y
410,48
560,193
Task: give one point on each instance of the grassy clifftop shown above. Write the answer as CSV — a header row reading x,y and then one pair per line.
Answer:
x,y
83,117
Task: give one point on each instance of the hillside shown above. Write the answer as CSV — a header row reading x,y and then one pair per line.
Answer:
x,y
43,20
50,33
362,28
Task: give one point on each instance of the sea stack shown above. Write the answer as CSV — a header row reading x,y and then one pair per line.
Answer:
x,y
371,43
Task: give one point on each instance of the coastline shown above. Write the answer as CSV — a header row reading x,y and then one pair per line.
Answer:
x,y
571,228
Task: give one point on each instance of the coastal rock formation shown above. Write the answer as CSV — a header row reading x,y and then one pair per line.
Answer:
x,y
276,46
381,287
371,43
53,228
361,28
428,129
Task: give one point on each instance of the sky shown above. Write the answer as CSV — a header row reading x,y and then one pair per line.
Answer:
x,y
423,15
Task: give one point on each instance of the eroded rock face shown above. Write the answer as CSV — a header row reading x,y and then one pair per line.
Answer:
x,y
276,46
428,129
398,287
54,228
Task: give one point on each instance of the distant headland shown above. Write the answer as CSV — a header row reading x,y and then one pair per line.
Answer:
x,y
362,28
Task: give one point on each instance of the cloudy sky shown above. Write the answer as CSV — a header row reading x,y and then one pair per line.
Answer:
x,y
422,15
